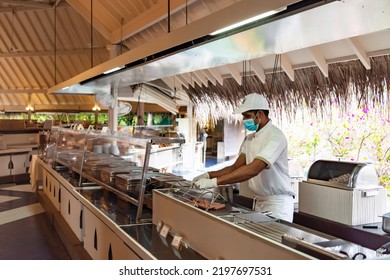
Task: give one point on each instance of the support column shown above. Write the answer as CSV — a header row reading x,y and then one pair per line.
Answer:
x,y
192,124
150,119
140,114
113,112
96,118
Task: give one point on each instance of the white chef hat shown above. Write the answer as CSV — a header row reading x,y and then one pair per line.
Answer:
x,y
253,101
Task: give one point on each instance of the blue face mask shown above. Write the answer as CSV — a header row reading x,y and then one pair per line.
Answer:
x,y
250,124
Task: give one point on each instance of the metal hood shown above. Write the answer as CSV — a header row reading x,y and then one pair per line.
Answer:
x,y
303,25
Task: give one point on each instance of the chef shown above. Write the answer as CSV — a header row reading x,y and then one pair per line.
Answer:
x,y
262,161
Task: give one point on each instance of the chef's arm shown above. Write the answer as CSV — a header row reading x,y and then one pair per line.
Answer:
x,y
243,173
240,161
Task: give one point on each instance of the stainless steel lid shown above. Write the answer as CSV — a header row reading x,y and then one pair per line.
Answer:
x,y
343,174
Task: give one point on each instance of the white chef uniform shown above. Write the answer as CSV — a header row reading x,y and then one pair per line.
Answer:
x,y
272,186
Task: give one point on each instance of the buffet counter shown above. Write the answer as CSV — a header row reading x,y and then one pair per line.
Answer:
x,y
104,226
99,221
115,195
16,149
15,162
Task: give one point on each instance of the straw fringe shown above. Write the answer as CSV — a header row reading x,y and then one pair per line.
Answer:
x,y
347,81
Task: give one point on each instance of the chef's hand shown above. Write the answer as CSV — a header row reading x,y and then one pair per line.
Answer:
x,y
206,183
201,176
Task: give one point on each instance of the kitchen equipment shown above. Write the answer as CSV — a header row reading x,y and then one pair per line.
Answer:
x,y
345,192
166,181
258,236
129,183
384,249
386,222
108,174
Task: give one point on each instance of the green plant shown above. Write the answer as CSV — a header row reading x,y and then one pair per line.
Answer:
x,y
360,135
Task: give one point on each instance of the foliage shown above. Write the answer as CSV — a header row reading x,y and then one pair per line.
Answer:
x,y
162,119
157,119
361,135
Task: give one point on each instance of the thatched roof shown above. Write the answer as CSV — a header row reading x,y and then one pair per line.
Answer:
x,y
346,81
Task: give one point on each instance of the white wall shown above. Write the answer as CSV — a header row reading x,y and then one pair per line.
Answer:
x,y
233,136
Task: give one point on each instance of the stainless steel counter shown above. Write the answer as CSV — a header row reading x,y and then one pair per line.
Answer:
x,y
123,214
372,238
211,234
149,238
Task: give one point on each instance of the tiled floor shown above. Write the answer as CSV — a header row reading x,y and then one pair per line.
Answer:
x,y
25,230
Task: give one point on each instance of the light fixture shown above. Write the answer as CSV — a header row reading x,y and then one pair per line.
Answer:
x,y
247,21
113,70
29,107
96,108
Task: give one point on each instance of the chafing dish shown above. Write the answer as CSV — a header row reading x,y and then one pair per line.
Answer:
x,y
343,174
108,174
166,181
128,183
93,168
345,192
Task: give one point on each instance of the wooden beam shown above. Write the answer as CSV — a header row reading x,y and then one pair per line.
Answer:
x,y
360,52
201,76
319,60
195,78
216,74
51,53
209,76
258,69
175,82
25,90
86,14
235,73
187,78
183,81
32,4
287,67
170,82
151,16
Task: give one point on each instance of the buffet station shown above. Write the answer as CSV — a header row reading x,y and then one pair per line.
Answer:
x,y
16,149
108,199
344,199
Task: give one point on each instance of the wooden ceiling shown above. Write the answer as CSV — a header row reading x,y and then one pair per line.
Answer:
x,y
45,42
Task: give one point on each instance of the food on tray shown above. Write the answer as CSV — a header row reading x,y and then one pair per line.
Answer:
x,y
205,204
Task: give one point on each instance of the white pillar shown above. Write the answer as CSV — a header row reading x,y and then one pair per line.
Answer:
x,y
113,112
192,124
150,119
